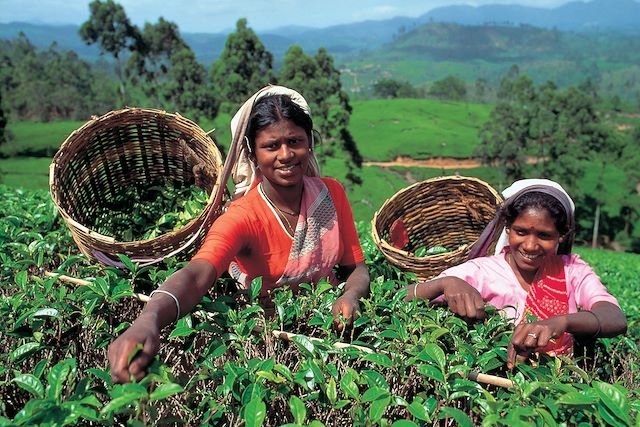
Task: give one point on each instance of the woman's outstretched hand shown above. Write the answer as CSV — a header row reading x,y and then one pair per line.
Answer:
x,y
464,300
346,307
531,337
134,350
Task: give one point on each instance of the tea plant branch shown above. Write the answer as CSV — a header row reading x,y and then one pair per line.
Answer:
x,y
81,282
288,336
140,297
472,375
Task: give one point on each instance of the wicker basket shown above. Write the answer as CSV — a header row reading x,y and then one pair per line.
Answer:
x,y
447,211
132,147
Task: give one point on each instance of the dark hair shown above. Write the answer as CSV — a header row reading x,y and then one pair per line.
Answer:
x,y
272,109
539,200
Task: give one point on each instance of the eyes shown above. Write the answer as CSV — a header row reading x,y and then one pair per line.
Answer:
x,y
275,145
543,235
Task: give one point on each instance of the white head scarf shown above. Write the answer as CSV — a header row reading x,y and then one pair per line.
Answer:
x,y
516,188
244,171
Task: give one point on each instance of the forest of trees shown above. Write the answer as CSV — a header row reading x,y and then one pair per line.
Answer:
x,y
559,134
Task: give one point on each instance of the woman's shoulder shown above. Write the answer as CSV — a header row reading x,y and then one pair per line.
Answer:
x,y
573,262
481,265
245,205
333,185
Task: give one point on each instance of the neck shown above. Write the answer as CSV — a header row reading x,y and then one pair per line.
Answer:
x,y
288,198
524,277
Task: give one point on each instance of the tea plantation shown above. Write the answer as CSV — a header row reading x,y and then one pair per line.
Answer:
x,y
222,365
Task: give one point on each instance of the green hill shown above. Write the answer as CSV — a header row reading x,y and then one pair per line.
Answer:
x,y
416,128
434,51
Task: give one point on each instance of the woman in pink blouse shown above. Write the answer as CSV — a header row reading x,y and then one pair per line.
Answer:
x,y
548,292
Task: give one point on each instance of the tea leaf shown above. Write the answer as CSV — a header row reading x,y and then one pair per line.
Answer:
x,y
298,409
30,383
165,390
254,413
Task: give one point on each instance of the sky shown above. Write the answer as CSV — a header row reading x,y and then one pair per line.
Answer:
x,y
212,16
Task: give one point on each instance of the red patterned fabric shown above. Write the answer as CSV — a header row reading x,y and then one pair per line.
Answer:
x,y
547,298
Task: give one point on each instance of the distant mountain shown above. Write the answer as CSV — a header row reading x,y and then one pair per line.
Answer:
x,y
43,35
596,15
346,40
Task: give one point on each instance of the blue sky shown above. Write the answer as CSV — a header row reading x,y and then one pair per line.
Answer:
x,y
221,15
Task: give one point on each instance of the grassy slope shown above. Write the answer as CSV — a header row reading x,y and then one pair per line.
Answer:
x,y
37,139
417,128
26,172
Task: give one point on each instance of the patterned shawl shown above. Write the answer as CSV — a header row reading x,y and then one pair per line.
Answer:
x,y
547,298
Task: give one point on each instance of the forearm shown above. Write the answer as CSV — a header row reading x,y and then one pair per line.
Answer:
x,y
188,285
358,282
433,288
603,320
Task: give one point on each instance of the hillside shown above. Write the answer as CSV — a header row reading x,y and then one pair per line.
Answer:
x,y
596,15
433,51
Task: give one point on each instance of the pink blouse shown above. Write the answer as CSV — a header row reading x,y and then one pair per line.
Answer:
x,y
497,283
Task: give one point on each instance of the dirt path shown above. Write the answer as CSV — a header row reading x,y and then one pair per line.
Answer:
x,y
433,162
436,163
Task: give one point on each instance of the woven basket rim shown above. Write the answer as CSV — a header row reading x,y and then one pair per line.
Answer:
x,y
391,251
95,121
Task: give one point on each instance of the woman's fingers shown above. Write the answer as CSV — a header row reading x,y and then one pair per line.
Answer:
x,y
345,309
456,305
118,355
144,358
467,305
544,336
479,305
474,306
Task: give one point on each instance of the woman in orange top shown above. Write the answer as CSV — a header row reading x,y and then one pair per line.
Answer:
x,y
286,225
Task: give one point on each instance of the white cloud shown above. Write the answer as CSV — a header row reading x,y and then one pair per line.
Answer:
x,y
377,12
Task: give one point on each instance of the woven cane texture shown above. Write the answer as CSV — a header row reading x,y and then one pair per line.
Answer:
x,y
447,211
132,147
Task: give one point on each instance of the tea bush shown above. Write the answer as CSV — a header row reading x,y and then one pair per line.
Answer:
x,y
222,365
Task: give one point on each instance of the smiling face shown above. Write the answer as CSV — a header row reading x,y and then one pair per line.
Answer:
x,y
282,153
532,237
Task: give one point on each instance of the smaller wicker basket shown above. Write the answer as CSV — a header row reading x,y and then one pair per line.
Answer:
x,y
133,147
446,211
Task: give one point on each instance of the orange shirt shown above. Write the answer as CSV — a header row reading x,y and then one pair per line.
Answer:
x,y
250,234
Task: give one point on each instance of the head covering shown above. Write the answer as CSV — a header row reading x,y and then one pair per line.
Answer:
x,y
244,173
513,193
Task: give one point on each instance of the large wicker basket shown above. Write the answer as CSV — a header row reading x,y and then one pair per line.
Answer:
x,y
447,211
133,147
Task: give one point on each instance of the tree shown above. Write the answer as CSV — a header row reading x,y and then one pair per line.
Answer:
x,y
3,123
150,62
187,86
481,87
452,88
109,26
557,134
505,138
318,80
243,67
390,88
